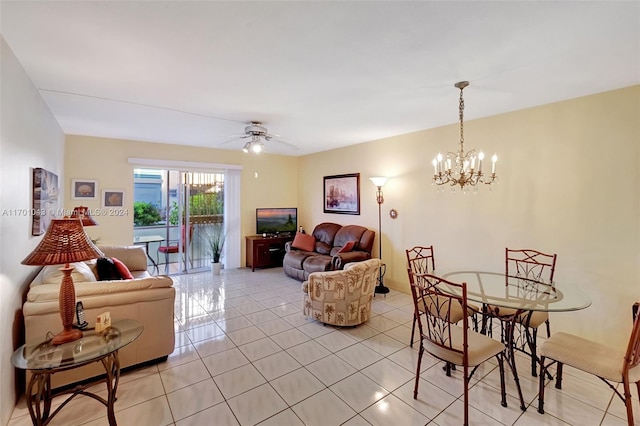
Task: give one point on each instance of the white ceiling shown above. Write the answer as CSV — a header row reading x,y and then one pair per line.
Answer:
x,y
320,74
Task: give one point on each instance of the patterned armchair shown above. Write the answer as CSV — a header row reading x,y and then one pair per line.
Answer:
x,y
342,297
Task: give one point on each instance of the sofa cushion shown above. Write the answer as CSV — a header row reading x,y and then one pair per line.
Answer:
x,y
123,271
140,274
295,258
304,242
52,274
135,257
317,264
348,233
323,248
326,232
51,292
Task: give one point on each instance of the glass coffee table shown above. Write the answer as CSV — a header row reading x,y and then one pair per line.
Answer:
x,y
44,359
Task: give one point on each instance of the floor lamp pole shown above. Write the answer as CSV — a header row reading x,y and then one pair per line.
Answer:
x,y
380,288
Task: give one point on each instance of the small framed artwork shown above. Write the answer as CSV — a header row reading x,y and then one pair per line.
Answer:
x,y
84,189
342,194
112,198
45,199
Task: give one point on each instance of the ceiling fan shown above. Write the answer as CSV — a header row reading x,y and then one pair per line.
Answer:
x,y
256,134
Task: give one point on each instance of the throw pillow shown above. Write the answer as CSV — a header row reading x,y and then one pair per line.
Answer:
x,y
304,242
347,247
93,265
82,273
107,270
124,272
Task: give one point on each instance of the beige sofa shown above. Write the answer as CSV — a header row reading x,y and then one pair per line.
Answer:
x,y
342,297
147,299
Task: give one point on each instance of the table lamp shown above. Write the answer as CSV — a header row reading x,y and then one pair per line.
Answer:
x,y
64,242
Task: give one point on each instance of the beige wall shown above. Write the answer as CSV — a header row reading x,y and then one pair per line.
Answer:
x,y
29,137
107,161
569,184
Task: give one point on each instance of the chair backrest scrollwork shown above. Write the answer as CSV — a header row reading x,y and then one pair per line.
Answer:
x,y
437,324
421,260
530,265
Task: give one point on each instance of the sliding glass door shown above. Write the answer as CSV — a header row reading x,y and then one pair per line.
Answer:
x,y
177,210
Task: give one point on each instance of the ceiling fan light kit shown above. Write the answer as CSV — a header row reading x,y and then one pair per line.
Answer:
x,y
258,135
255,145
256,131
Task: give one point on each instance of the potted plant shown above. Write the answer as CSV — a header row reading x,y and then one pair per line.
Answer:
x,y
214,238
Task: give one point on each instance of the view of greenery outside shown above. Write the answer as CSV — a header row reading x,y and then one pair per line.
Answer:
x,y
145,214
204,204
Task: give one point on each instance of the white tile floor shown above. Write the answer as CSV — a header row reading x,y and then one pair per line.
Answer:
x,y
246,355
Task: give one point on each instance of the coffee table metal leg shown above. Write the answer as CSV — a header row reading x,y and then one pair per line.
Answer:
x,y
39,403
111,365
39,394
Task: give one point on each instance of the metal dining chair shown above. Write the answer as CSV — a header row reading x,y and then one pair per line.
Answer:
x,y
442,338
421,260
530,266
609,364
173,246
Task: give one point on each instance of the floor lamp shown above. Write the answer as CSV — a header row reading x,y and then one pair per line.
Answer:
x,y
379,183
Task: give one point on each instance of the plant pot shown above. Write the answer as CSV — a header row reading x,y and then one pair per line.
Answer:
x,y
215,268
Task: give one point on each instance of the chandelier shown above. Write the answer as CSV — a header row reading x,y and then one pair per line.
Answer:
x,y
255,145
460,168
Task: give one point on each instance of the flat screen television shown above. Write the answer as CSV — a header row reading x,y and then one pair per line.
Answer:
x,y
276,220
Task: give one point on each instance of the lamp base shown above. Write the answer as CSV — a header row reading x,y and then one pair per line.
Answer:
x,y
67,303
67,335
381,289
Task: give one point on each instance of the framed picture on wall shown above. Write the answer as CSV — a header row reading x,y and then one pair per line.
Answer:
x,y
84,189
45,200
112,198
342,194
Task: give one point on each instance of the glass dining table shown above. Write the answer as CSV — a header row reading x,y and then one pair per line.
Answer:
x,y
497,290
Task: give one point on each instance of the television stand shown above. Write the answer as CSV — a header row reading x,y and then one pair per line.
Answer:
x,y
278,235
265,252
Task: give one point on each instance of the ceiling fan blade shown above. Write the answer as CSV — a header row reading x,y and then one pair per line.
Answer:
x,y
285,143
232,140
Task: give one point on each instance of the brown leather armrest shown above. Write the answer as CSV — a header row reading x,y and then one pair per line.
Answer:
x,y
341,259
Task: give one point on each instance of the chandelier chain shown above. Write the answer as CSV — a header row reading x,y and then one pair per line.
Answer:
x,y
461,116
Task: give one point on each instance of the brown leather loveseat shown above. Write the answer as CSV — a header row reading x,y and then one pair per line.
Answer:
x,y
333,245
